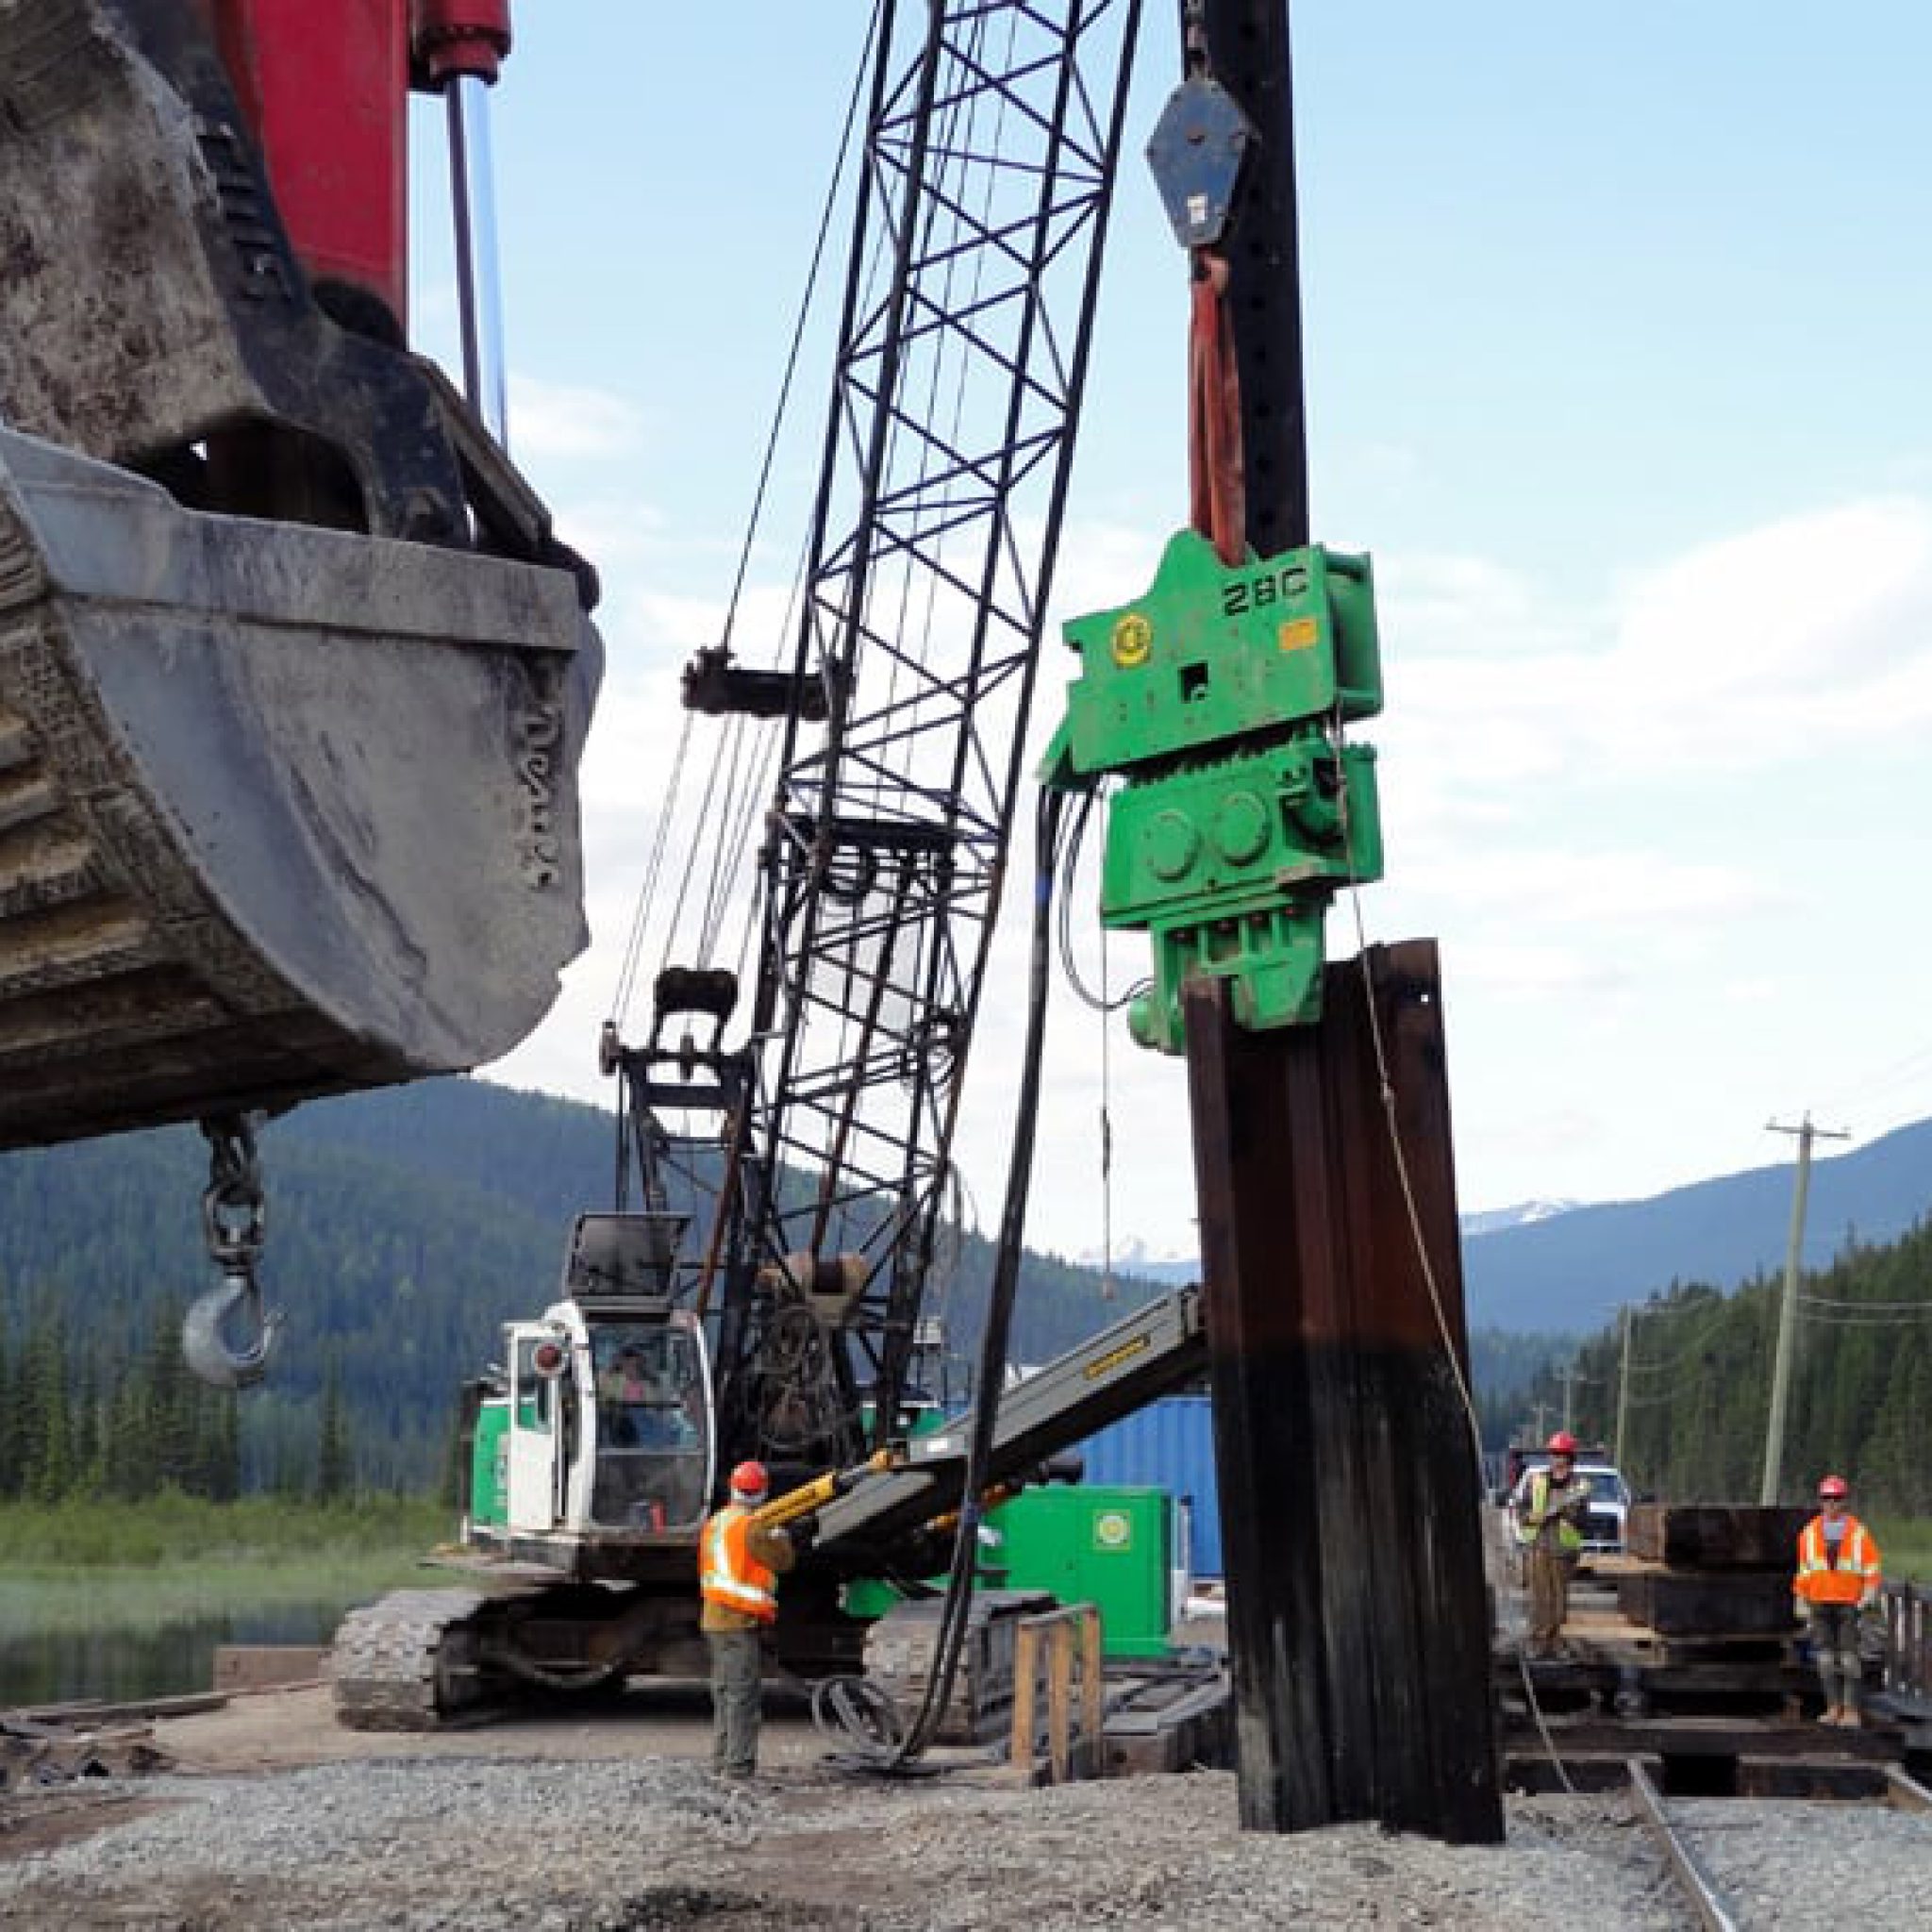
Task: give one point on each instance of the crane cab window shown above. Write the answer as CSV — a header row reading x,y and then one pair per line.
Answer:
x,y
653,1426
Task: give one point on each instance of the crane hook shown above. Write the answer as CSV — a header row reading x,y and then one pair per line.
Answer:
x,y
233,1214
204,1344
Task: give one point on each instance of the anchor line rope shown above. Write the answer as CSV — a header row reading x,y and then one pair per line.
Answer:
x,y
1387,1086
1413,1212
641,919
640,916
731,847
897,616
798,327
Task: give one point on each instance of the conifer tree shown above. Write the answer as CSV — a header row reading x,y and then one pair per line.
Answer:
x,y
47,1414
334,1469
9,1418
171,1400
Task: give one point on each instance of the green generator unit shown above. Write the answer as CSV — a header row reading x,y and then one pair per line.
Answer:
x,y
1094,1544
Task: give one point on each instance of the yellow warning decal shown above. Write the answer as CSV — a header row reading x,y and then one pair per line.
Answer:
x,y
1299,634
1115,1357
1132,642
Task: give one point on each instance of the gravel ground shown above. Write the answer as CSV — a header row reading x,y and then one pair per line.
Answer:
x,y
1786,1863
415,1844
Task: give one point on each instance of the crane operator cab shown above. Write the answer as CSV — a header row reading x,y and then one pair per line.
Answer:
x,y
600,1427
653,1424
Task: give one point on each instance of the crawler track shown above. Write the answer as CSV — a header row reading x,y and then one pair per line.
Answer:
x,y
1718,1860
403,1664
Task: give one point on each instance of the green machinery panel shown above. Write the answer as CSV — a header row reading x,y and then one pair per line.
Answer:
x,y
1097,1544
1213,652
1109,1546
1219,697
489,1465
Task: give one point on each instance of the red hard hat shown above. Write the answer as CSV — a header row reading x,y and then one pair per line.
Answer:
x,y
1562,1443
1834,1486
750,1479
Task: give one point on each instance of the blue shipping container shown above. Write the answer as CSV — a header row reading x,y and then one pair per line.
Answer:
x,y
1167,1445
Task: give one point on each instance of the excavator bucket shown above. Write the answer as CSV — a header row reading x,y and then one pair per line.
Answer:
x,y
283,810
293,674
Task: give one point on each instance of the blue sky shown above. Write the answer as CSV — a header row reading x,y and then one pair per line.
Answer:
x,y
1616,340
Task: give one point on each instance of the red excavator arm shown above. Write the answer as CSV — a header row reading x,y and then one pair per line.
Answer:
x,y
293,673
321,90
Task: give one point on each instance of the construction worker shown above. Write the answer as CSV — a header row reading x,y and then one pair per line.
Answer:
x,y
1549,1526
1838,1581
739,1561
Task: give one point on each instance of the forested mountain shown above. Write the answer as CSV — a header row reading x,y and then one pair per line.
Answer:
x,y
1701,1372
402,1229
1572,1270
1509,1372
405,1227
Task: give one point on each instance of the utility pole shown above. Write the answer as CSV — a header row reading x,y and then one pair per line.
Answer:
x,y
1570,1376
1787,1309
1622,1389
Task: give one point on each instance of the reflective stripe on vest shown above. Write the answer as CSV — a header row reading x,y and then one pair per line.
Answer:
x,y
728,1575
1569,1537
1856,1575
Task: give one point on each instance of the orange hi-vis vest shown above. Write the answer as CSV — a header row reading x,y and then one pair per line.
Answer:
x,y
728,1575
1853,1579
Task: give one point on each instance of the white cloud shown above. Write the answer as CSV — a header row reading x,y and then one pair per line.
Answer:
x,y
573,422
1556,886
1598,807
1433,604
1530,970
1808,638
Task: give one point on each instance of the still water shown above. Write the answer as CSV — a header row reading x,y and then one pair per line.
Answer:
x,y
52,1665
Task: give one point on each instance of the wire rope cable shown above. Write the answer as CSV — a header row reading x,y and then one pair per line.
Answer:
x,y
722,863
645,904
634,944
1413,1212
955,1607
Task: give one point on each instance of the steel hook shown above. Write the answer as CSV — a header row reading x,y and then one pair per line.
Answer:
x,y
204,1344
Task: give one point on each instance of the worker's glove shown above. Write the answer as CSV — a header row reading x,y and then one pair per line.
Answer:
x,y
1801,1609
803,1533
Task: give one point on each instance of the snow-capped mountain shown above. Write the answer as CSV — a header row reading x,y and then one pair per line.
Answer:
x,y
1490,1219
1137,1257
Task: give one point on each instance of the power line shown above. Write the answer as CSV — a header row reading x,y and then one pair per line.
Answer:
x,y
1915,1065
1819,1300
1866,1322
